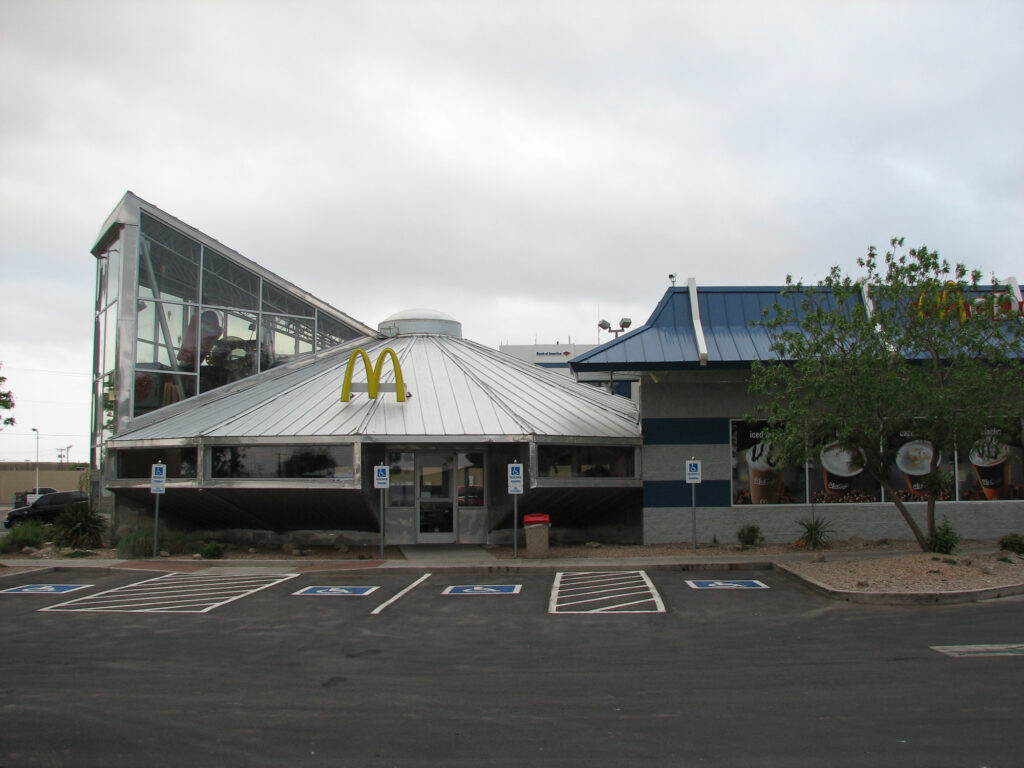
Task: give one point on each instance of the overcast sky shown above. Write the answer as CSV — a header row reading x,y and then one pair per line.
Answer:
x,y
526,167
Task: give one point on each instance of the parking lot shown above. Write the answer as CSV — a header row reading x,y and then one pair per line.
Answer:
x,y
353,595
420,668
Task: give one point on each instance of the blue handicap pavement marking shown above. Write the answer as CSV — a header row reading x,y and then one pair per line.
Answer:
x,y
336,591
483,589
44,589
727,584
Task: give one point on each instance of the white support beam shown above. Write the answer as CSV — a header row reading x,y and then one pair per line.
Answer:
x,y
698,328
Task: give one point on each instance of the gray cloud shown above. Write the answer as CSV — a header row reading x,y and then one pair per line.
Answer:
x,y
522,166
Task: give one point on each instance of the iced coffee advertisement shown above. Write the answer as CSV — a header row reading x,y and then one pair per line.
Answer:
x,y
912,465
992,469
837,476
757,478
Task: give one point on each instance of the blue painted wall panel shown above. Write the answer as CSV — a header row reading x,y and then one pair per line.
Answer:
x,y
695,431
676,493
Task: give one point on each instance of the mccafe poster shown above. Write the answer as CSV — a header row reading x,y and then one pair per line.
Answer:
x,y
991,469
913,463
756,476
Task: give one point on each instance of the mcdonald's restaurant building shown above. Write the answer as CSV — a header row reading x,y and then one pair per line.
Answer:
x,y
270,409
692,359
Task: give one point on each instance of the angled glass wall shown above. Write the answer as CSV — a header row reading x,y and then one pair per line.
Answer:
x,y
178,314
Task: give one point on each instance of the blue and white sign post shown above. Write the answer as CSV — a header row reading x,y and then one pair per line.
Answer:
x,y
693,479
157,482
382,480
515,489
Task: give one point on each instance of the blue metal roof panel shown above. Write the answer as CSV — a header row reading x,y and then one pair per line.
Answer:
x,y
728,317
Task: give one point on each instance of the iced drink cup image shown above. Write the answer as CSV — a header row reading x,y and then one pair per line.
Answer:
x,y
914,460
765,478
840,471
989,460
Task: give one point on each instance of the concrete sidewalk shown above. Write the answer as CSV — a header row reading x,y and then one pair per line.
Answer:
x,y
448,557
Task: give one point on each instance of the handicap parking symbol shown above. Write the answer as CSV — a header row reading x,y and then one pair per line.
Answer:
x,y
726,584
483,589
43,589
336,591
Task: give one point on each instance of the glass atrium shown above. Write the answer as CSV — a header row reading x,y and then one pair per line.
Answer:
x,y
178,313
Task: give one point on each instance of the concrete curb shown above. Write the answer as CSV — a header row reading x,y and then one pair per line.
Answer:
x,y
902,598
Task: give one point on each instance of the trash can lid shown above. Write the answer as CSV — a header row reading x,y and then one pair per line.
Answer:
x,y
536,519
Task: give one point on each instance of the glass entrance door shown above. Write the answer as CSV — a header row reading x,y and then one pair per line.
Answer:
x,y
435,498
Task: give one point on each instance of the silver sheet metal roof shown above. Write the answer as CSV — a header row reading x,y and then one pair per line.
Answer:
x,y
459,391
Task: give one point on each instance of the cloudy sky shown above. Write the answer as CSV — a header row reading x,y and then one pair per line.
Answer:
x,y
527,167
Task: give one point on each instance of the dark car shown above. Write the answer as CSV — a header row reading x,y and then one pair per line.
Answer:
x,y
21,497
46,508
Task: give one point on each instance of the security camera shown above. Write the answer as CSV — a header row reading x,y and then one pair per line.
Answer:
x,y
672,277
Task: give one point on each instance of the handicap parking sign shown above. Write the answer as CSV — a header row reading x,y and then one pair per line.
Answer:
x,y
44,589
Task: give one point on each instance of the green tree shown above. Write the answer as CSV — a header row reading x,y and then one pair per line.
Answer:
x,y
913,347
6,403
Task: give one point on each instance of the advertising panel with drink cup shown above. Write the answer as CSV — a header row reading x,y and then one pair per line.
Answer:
x,y
838,477
757,476
913,463
992,469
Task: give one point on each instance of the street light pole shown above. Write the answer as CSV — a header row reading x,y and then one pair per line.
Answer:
x,y
36,489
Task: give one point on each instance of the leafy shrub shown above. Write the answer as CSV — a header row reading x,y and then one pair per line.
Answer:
x,y
79,527
750,536
1014,542
946,539
212,550
30,533
137,543
817,533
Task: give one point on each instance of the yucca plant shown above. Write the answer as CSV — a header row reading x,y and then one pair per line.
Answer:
x,y
79,527
817,533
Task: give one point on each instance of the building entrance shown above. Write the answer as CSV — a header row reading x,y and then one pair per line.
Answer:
x,y
435,498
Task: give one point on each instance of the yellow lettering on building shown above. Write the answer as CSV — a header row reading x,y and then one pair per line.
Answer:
x,y
373,385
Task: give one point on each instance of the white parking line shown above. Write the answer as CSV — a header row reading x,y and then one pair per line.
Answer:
x,y
173,593
969,651
604,592
401,594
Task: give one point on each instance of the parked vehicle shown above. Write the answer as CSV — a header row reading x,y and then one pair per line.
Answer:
x,y
46,508
24,498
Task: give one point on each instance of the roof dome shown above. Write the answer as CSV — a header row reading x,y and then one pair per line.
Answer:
x,y
428,321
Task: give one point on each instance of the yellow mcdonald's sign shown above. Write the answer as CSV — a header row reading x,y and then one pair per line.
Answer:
x,y
373,385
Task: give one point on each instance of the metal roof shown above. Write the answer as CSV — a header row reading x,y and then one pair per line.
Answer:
x,y
717,327
720,333
458,391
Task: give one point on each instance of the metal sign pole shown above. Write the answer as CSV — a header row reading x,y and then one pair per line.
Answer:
x,y
156,527
515,526
381,523
693,477
693,514
157,479
515,488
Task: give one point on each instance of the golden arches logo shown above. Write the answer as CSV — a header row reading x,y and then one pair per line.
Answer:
x,y
373,385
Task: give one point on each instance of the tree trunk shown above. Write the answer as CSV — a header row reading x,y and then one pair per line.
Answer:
x,y
922,541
